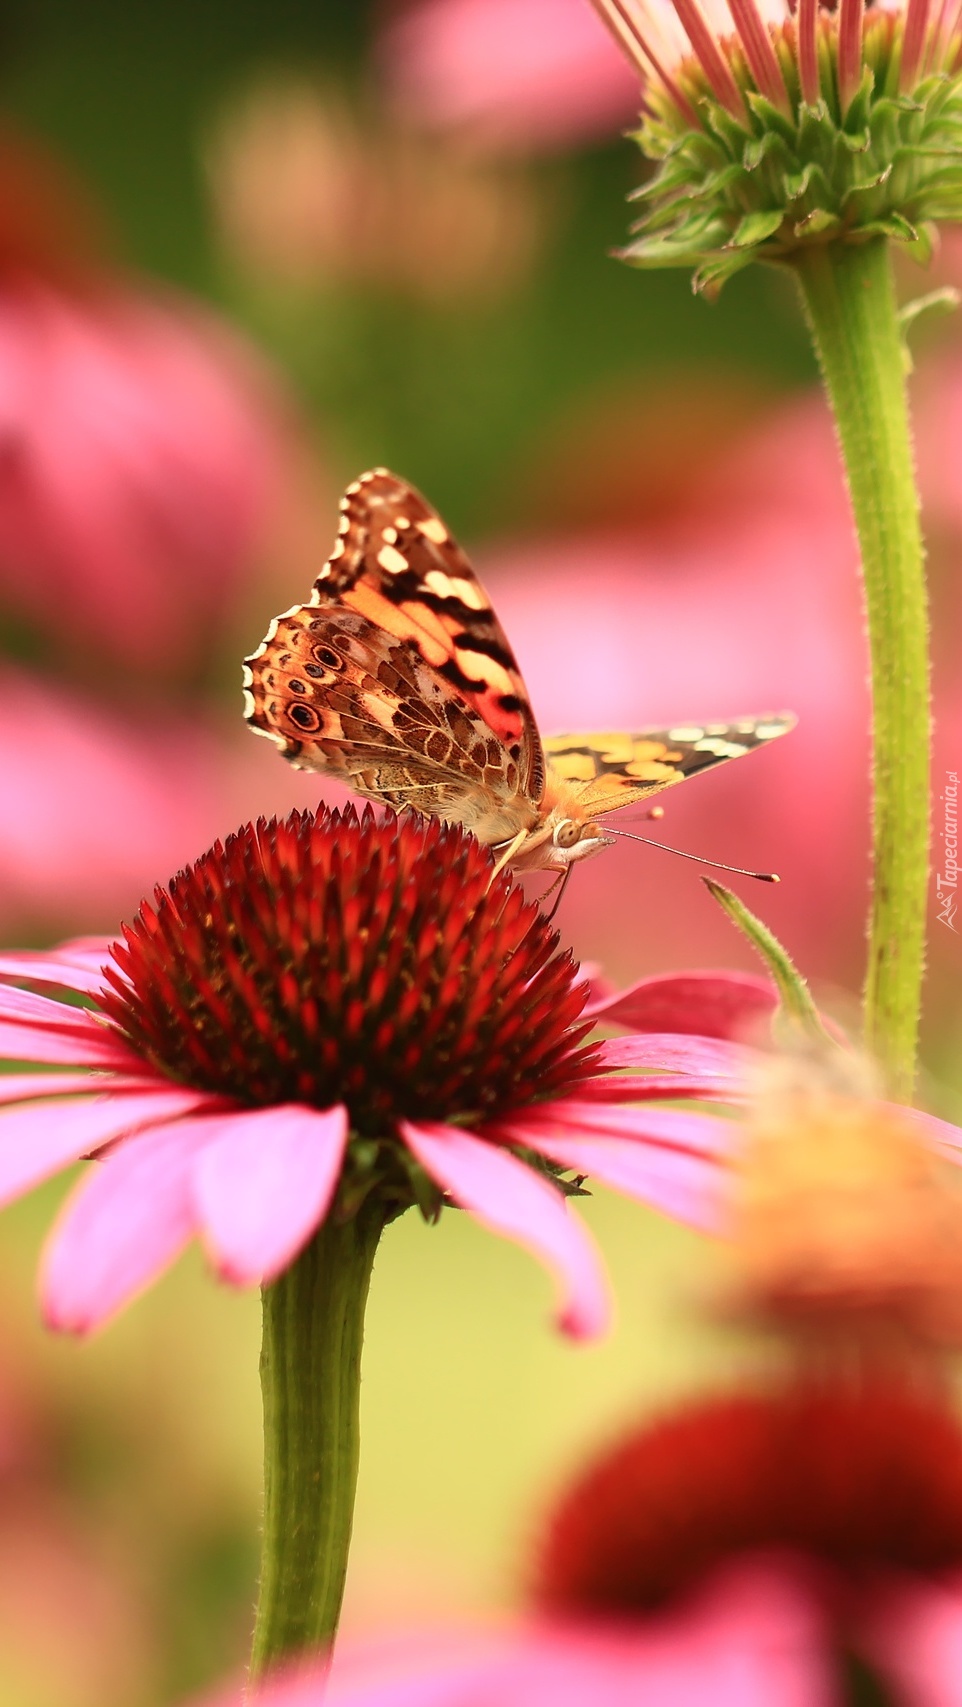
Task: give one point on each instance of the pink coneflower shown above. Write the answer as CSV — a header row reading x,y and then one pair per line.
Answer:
x,y
321,1011
779,126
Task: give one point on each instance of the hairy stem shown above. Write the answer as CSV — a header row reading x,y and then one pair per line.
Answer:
x,y
850,300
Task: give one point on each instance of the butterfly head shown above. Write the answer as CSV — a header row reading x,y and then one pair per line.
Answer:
x,y
574,839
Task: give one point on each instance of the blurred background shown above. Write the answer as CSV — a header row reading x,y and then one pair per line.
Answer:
x,y
246,252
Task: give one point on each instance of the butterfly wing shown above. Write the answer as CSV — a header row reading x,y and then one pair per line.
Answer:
x,y
397,677
613,770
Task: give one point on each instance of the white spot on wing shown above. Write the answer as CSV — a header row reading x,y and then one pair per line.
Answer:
x,y
687,732
392,560
434,529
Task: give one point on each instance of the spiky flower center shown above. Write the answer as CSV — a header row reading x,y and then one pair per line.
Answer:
x,y
327,959
864,1477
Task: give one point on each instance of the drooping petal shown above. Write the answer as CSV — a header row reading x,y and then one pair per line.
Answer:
x,y
708,1004
508,1197
264,1184
55,969
675,1128
666,1052
79,1046
913,1635
691,1189
25,1087
40,1138
120,1229
658,1087
754,1637
27,1008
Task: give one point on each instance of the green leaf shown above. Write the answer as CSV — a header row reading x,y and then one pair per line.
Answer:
x,y
755,227
796,998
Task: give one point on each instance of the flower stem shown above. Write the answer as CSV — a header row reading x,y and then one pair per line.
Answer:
x,y
310,1377
850,299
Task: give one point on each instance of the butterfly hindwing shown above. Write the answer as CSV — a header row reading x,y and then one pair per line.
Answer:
x,y
397,676
615,769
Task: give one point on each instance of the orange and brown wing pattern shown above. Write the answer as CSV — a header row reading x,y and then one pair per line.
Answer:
x,y
397,677
612,770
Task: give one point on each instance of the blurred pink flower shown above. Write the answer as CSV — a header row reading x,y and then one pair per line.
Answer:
x,y
749,1639
138,448
311,983
508,74
93,806
745,1550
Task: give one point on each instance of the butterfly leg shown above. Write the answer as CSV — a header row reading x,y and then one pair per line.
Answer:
x,y
560,884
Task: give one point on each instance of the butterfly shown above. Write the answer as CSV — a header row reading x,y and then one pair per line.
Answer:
x,y
397,679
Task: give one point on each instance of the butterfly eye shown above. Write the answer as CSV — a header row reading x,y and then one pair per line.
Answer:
x,y
566,833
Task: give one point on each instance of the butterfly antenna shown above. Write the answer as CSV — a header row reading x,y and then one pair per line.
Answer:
x,y
738,870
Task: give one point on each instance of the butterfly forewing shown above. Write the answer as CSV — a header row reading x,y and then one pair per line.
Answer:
x,y
397,677
617,768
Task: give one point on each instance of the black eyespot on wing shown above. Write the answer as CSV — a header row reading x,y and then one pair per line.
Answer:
x,y
304,717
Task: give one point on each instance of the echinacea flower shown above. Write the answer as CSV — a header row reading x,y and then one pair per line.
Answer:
x,y
778,126
319,1012
781,1547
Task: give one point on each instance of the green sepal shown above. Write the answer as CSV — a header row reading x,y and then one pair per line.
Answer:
x,y
767,184
755,227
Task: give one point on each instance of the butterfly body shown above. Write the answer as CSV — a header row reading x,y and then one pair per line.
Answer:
x,y
397,679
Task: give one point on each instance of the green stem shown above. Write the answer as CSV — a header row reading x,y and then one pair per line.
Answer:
x,y
310,1376
850,299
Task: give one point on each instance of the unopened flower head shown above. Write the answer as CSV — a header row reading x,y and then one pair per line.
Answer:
x,y
848,1216
778,125
324,1013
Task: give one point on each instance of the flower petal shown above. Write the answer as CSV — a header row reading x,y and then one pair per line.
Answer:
x,y
689,1188
667,1052
657,1087
24,1087
264,1184
55,969
27,1008
120,1229
88,1045
913,1634
665,1128
512,1200
709,1004
40,1138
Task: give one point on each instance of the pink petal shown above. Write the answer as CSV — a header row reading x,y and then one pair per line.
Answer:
x,y
668,1052
711,1004
688,1188
120,1229
505,1195
674,1128
27,1008
752,1638
88,1044
654,1087
22,1087
40,1138
54,969
264,1185
914,1636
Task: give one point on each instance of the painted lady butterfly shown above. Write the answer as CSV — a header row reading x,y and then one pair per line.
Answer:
x,y
397,679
